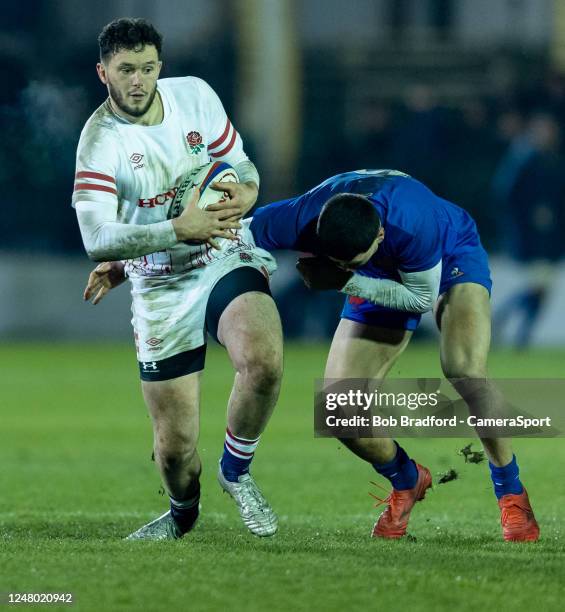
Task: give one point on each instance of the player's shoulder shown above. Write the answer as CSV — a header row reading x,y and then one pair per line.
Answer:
x,y
413,198
100,126
99,144
184,86
413,209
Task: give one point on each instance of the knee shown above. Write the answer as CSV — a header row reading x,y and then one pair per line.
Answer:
x,y
175,451
464,367
263,369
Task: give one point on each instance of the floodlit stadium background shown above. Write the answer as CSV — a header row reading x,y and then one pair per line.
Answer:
x,y
467,95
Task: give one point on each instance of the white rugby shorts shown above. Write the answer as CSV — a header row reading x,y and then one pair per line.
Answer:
x,y
169,312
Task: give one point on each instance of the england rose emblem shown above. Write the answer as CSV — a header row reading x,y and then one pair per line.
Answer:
x,y
194,140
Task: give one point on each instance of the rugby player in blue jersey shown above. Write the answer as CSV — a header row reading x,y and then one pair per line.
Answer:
x,y
397,250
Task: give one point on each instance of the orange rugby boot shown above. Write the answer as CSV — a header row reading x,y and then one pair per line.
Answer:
x,y
517,518
392,523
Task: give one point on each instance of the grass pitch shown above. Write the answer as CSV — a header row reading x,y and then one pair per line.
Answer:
x,y
76,476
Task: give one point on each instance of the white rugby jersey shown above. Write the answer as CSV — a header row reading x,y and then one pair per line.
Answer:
x,y
138,167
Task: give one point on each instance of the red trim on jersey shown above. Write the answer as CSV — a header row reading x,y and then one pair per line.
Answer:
x,y
227,149
221,139
93,187
95,175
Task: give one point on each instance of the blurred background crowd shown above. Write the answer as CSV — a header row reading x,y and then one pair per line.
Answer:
x,y
466,95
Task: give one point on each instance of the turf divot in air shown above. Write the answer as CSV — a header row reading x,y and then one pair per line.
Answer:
x,y
447,476
470,455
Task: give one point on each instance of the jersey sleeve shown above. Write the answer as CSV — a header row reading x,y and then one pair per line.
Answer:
x,y
96,168
275,226
224,142
290,224
417,292
95,199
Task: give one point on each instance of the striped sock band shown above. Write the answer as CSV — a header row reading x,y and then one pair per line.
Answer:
x,y
185,512
185,504
238,454
240,447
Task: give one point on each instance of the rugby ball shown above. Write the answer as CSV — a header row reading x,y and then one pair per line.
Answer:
x,y
201,178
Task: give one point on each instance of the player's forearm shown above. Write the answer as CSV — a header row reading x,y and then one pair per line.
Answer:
x,y
117,241
386,293
249,177
417,292
111,241
247,173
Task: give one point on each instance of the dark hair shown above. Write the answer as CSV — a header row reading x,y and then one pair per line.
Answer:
x,y
127,33
347,226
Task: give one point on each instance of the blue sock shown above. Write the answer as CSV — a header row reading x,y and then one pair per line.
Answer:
x,y
506,479
237,457
401,471
233,467
186,512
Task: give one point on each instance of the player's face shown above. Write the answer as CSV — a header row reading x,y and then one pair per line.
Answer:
x,y
131,77
360,260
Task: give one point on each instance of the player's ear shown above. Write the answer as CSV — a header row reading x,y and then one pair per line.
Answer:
x,y
101,70
381,235
159,66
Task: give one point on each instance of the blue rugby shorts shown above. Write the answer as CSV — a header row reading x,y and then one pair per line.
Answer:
x,y
467,265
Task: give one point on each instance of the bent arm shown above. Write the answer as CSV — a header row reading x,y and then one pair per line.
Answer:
x,y
417,292
247,172
106,239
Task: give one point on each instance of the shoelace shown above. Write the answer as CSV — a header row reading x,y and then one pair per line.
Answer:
x,y
251,496
514,515
379,499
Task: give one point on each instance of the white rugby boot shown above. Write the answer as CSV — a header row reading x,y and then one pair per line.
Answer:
x,y
254,509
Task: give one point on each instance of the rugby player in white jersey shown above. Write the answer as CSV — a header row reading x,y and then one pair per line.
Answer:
x,y
132,154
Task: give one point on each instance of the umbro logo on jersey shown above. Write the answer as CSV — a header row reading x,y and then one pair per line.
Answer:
x,y
136,159
158,200
153,341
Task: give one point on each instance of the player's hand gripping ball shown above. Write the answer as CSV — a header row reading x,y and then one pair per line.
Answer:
x,y
202,178
193,220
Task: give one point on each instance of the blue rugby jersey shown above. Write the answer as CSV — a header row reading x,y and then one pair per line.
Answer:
x,y
420,228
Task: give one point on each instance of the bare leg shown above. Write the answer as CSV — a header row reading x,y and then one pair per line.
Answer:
x,y
364,351
464,313
174,409
250,329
